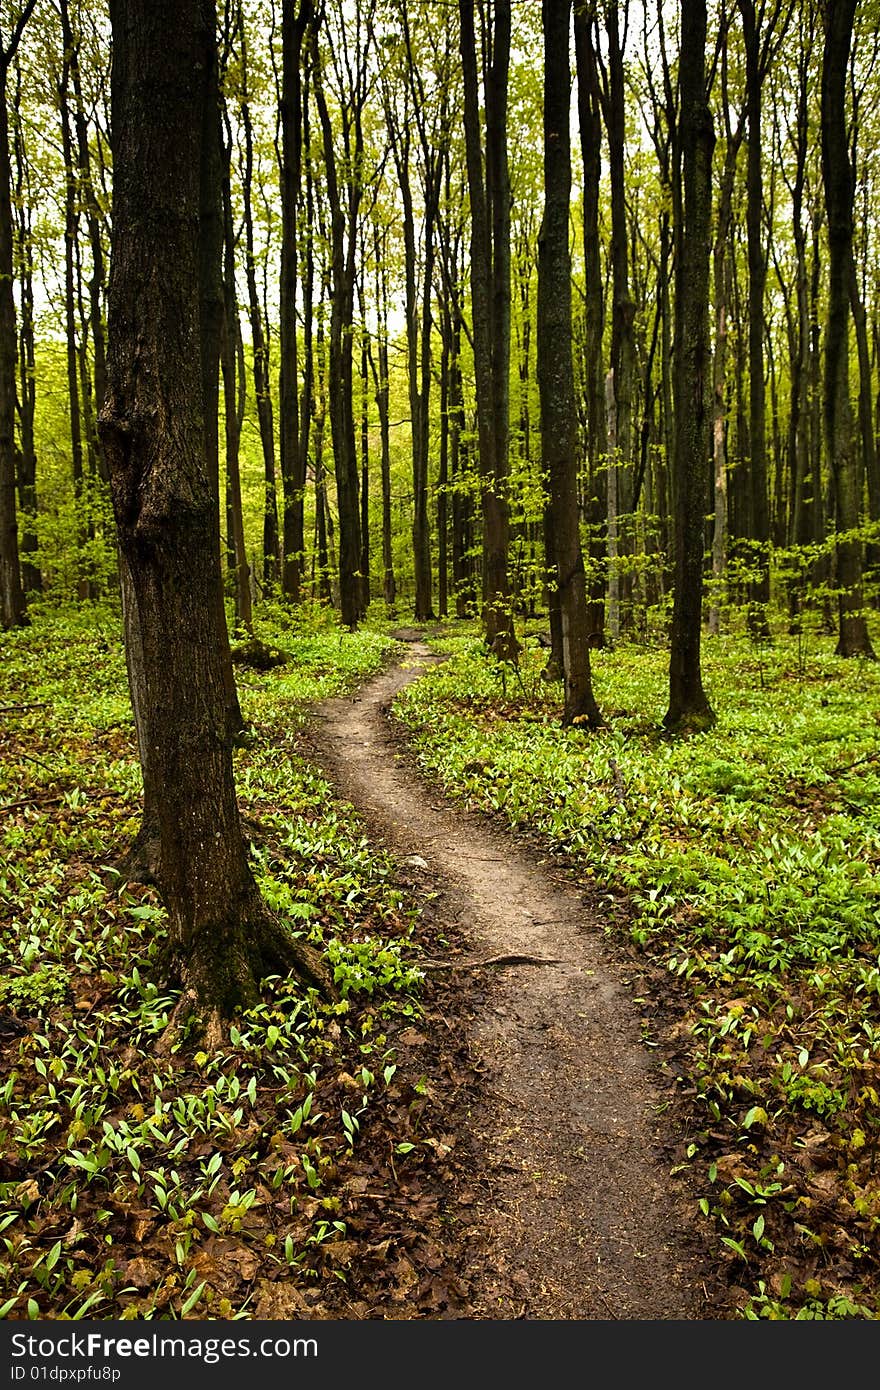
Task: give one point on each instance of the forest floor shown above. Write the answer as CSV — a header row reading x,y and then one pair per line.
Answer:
x,y
563,1201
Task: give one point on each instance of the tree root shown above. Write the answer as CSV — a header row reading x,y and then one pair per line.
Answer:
x,y
475,962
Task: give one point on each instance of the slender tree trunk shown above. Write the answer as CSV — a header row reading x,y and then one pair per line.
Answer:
x,y
382,389
31,577
260,350
758,492
689,709
296,16
71,235
596,504
623,311
721,283
343,228
556,374
853,639
13,609
365,461
490,300
232,385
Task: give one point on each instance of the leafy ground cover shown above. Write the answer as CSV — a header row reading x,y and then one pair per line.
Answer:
x,y
248,1181
741,866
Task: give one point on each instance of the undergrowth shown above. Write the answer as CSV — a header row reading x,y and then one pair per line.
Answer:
x,y
187,1186
744,862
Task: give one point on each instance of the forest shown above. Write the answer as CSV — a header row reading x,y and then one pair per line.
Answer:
x,y
439,563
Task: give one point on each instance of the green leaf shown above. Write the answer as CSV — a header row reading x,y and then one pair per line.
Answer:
x,y
193,1299
756,1116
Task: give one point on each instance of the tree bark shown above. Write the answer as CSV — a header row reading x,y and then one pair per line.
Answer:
x,y
556,373
853,639
31,577
490,301
222,937
689,708
296,16
259,348
13,607
596,506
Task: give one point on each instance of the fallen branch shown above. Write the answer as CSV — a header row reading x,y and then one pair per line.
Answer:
x,y
31,801
477,961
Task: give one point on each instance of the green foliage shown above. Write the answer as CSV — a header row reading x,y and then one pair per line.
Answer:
x,y
744,862
108,1145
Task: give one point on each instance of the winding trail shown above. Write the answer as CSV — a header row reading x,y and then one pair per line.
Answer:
x,y
577,1214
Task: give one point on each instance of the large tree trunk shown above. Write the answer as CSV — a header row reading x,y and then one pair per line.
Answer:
x,y
221,935
853,639
688,706
556,374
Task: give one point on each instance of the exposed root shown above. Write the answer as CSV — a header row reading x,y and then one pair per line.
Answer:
x,y
474,962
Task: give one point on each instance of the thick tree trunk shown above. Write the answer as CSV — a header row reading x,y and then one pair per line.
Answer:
x,y
689,709
221,935
556,374
853,639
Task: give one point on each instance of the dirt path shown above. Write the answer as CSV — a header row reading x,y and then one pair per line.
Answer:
x,y
574,1206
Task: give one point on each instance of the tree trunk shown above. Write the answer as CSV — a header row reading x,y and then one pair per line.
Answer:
x,y
596,506
689,709
759,532
556,374
221,935
490,301
260,350
382,389
13,608
71,234
340,347
622,313
853,639
31,577
295,20
233,384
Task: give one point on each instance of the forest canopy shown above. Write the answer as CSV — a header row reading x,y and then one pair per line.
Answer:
x,y
355,142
